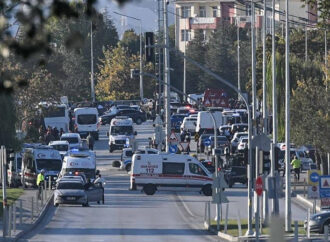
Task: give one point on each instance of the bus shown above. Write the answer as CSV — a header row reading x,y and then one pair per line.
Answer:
x,y
56,115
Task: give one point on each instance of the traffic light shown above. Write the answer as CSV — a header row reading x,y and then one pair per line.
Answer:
x,y
149,51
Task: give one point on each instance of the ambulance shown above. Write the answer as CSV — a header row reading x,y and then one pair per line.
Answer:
x,y
14,169
174,172
121,133
40,157
79,161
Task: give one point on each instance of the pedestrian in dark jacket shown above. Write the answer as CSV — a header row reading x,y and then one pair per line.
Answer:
x,y
90,141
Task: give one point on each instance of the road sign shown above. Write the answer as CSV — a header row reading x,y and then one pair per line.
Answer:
x,y
259,186
173,138
219,183
313,192
173,149
184,146
313,177
261,141
324,186
325,202
196,137
207,142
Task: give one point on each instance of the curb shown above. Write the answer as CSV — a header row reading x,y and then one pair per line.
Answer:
x,y
37,221
307,202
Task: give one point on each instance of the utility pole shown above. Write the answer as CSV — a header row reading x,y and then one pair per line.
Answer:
x,y
251,129
141,63
160,50
326,61
264,64
287,124
167,79
274,102
306,44
3,158
92,66
184,62
238,57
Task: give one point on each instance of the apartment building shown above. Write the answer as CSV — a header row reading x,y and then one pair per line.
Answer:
x,y
206,15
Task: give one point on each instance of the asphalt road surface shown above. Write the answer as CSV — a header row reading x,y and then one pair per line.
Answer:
x,y
126,215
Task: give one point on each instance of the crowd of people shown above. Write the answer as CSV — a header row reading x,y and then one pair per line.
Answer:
x,y
49,134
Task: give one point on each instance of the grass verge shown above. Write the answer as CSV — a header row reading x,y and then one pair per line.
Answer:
x,y
232,227
12,195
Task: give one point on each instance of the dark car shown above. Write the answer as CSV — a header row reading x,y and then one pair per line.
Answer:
x,y
176,121
236,174
318,221
138,117
208,165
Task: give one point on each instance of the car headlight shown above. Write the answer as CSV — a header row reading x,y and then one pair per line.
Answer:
x,y
55,178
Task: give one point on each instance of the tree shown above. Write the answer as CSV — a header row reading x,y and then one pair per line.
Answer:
x,y
196,50
131,41
114,78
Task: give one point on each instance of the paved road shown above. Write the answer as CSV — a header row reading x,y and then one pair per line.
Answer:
x,y
126,215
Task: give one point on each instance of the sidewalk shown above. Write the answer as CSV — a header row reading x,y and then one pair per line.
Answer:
x,y
28,211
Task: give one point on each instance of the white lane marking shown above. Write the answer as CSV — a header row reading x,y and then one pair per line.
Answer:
x,y
185,205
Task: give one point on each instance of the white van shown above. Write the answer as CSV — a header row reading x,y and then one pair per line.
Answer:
x,y
61,145
121,133
86,121
39,157
189,124
73,139
205,121
79,161
170,172
126,156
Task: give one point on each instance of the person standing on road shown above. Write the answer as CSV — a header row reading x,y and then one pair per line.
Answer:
x,y
90,141
296,164
40,182
100,180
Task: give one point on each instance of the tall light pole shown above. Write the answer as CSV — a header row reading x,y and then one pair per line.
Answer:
x,y
274,105
184,62
238,56
167,77
141,58
92,67
264,96
287,124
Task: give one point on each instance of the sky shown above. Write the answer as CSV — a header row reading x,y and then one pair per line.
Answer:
x,y
146,10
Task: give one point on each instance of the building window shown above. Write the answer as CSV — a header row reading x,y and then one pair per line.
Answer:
x,y
186,11
202,32
185,35
215,12
248,11
202,11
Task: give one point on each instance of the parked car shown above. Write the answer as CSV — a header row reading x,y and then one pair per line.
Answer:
x,y
318,221
189,124
235,140
242,144
222,142
138,117
176,121
236,174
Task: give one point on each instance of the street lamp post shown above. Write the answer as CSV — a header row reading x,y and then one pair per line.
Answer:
x,y
92,66
141,58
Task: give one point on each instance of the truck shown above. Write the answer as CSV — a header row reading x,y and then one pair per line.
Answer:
x,y
215,98
205,122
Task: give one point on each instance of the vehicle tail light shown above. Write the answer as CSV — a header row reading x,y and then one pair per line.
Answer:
x,y
76,173
209,163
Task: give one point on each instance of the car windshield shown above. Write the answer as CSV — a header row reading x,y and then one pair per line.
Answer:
x,y
53,112
71,140
49,164
220,138
60,147
86,119
19,163
70,185
122,130
244,140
